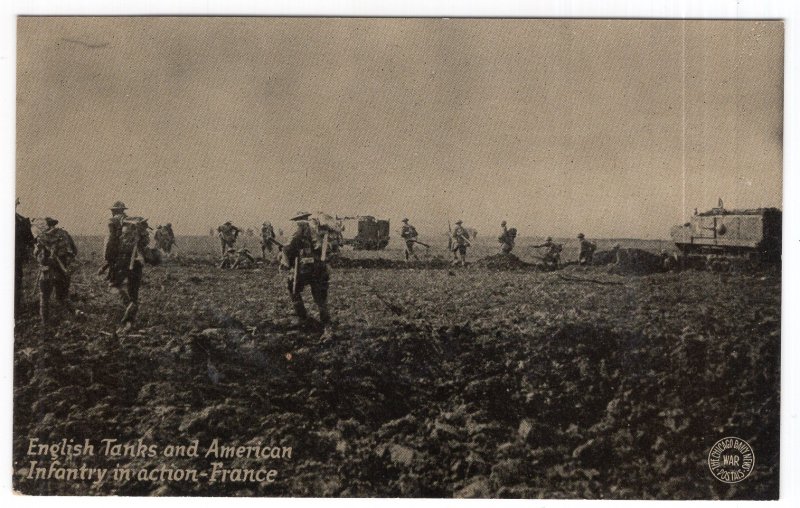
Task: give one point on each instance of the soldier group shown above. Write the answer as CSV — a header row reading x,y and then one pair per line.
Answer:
x,y
126,251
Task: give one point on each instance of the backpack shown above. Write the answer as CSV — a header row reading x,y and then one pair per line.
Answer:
x,y
134,234
58,243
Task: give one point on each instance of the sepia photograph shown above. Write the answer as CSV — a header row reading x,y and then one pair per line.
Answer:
x,y
398,257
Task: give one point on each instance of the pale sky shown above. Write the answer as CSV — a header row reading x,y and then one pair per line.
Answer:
x,y
612,128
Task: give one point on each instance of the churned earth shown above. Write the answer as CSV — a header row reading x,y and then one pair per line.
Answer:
x,y
476,382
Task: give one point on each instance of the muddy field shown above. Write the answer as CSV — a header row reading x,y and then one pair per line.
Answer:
x,y
440,383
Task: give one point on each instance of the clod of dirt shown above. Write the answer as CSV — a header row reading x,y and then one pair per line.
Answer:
x,y
477,488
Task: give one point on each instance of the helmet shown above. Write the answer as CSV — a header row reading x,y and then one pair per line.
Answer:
x,y
50,222
119,205
503,223
404,220
548,239
169,224
459,221
580,235
301,216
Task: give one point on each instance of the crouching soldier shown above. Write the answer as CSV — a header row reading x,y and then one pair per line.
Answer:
x,y
54,251
126,251
552,257
305,255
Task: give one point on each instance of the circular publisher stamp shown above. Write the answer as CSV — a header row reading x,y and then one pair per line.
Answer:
x,y
731,460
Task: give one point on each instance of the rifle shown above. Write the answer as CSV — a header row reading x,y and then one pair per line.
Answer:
x,y
295,274
276,242
449,237
58,261
417,241
324,246
135,254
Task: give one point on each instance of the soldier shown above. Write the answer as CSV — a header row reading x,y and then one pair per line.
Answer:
x,y
241,259
228,258
267,239
460,243
552,258
587,250
244,259
125,251
54,251
507,238
23,243
160,237
227,235
169,238
305,255
409,234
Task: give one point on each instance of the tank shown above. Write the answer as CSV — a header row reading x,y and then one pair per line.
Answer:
x,y
723,238
364,232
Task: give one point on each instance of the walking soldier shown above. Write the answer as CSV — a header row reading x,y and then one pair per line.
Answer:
x,y
409,234
459,244
227,235
125,252
305,254
267,239
507,238
54,251
23,243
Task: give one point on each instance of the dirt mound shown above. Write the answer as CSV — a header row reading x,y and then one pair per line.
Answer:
x,y
637,262
504,262
604,257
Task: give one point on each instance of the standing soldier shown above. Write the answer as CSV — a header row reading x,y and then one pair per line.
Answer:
x,y
267,239
552,258
54,251
227,235
409,234
160,237
587,250
460,244
305,254
170,238
125,251
23,242
507,238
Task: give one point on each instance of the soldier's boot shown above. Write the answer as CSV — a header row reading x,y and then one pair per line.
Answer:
x,y
325,319
300,312
128,317
130,312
